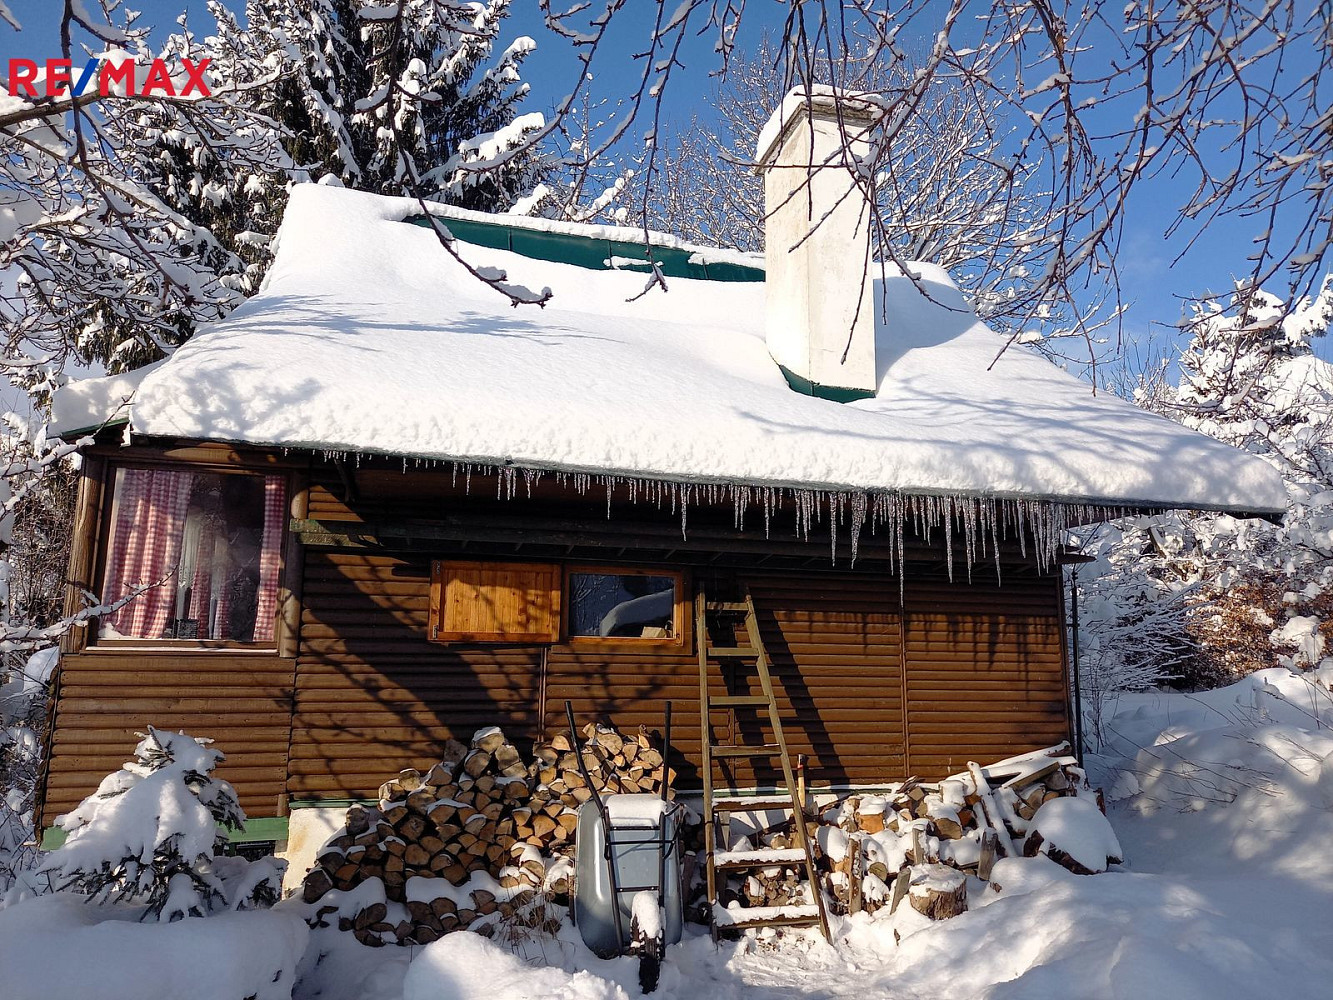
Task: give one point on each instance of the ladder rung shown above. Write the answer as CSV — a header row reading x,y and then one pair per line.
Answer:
x,y
767,750
727,606
721,651
753,803
738,701
771,858
766,916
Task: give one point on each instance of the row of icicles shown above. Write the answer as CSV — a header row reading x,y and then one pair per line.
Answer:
x,y
985,521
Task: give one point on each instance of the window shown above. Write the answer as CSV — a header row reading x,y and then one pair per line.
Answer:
x,y
625,604
207,545
494,602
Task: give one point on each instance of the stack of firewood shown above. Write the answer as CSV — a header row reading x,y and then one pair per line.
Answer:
x,y
483,819
421,921
965,821
616,763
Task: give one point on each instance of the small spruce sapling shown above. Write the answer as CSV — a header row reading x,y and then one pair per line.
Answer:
x,y
152,834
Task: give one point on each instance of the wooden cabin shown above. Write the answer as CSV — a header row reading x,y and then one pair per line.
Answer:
x,y
378,507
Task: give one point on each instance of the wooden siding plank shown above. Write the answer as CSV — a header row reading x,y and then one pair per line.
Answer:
x,y
241,701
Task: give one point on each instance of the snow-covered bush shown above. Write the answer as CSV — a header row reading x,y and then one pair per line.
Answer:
x,y
22,718
37,488
152,834
1201,599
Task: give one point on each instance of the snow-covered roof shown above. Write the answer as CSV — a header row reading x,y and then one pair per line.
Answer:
x,y
367,337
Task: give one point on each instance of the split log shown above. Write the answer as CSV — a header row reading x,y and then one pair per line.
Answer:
x,y
938,891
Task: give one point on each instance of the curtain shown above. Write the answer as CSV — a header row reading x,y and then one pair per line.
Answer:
x,y
270,556
149,529
201,588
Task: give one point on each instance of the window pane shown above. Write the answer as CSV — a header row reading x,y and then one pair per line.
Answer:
x,y
207,546
626,605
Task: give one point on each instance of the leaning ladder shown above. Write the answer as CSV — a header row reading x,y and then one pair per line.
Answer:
x,y
714,613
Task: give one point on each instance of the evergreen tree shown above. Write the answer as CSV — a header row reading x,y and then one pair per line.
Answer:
x,y
1201,599
393,98
152,834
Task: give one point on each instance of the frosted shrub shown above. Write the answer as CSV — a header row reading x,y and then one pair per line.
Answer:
x,y
152,832
1202,599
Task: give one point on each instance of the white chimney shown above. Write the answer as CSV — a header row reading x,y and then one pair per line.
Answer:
x,y
820,316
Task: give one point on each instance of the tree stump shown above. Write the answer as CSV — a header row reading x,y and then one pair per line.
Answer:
x,y
938,891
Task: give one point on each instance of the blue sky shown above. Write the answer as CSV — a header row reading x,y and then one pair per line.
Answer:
x,y
1151,279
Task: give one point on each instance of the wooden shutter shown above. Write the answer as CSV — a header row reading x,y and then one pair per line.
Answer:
x,y
494,602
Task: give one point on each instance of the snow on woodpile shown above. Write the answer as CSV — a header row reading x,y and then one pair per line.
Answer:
x,y
368,338
1075,831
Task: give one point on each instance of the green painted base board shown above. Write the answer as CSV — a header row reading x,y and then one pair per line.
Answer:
x,y
258,829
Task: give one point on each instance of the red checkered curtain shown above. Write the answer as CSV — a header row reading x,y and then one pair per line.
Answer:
x,y
149,528
270,556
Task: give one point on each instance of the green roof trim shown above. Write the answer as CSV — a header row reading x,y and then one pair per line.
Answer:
x,y
106,425
835,393
591,252
256,830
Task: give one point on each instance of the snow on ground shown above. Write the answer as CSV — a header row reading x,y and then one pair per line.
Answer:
x,y
368,337
1222,802
60,946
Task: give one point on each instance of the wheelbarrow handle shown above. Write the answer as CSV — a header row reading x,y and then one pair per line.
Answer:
x,y
606,823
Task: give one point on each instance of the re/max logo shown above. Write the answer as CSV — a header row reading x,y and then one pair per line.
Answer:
x,y
118,77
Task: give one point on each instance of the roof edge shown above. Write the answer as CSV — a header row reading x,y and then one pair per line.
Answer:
x,y
491,465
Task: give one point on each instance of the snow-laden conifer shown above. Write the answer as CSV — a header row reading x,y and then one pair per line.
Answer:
x,y
153,834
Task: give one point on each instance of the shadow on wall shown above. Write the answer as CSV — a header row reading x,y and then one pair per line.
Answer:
x,y
374,696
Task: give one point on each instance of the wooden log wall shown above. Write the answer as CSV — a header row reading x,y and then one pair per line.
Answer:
x,y
241,700
874,686
373,696
980,684
984,669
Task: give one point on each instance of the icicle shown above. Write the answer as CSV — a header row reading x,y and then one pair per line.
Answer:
x,y
858,518
947,504
740,500
835,511
899,518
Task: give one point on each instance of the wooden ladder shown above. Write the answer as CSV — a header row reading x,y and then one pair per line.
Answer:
x,y
707,613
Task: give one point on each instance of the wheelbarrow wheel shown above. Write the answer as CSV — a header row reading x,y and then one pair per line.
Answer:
x,y
650,971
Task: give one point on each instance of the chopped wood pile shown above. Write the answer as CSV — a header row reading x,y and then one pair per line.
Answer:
x,y
483,840
491,830
782,884
964,822
863,842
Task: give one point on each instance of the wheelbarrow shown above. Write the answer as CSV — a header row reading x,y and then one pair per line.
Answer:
x,y
628,883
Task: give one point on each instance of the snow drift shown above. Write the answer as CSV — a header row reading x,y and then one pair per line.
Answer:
x,y
60,946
